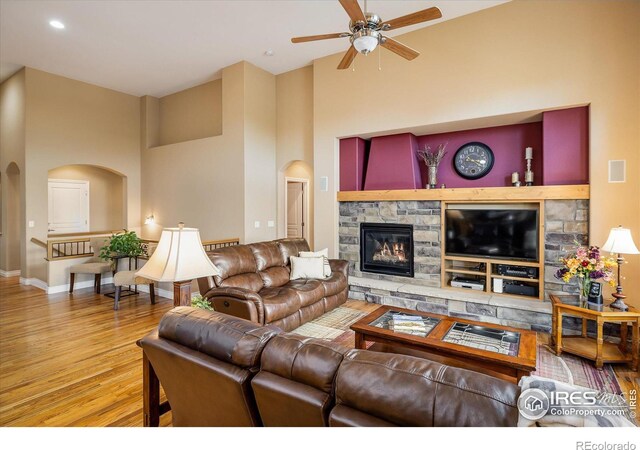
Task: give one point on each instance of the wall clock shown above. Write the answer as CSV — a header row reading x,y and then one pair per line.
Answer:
x,y
473,160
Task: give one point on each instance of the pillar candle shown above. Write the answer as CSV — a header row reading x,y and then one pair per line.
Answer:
x,y
528,153
515,177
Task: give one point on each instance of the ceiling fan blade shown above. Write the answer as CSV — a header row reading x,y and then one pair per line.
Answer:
x,y
353,9
414,18
317,37
348,58
399,49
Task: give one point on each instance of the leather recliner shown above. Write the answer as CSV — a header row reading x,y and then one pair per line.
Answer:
x,y
218,370
254,284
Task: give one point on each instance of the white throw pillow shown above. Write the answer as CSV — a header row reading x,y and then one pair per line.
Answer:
x,y
309,267
325,254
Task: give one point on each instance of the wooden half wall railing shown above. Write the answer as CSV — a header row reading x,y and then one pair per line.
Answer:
x,y
80,246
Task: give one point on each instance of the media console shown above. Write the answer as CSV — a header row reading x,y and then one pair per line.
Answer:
x,y
496,276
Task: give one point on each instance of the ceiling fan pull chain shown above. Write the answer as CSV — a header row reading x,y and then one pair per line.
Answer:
x,y
379,57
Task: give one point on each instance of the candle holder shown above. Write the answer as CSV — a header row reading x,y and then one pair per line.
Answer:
x,y
515,179
528,175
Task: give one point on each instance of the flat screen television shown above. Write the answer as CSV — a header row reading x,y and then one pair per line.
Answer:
x,y
492,233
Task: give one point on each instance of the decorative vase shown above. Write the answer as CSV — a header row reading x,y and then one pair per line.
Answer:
x,y
433,176
585,285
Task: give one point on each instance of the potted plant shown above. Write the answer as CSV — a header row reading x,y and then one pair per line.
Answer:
x,y
124,243
197,301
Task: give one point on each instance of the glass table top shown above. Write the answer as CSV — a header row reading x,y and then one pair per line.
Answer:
x,y
400,322
484,338
575,301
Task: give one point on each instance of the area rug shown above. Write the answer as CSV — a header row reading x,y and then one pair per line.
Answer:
x,y
575,370
334,326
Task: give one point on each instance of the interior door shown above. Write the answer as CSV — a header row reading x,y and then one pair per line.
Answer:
x,y
295,209
68,206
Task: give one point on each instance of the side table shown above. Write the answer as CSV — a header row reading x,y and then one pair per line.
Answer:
x,y
595,349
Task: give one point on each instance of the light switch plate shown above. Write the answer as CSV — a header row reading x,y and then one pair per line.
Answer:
x,y
271,224
32,224
324,184
256,224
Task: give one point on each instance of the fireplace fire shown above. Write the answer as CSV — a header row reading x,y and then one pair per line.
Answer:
x,y
393,254
386,249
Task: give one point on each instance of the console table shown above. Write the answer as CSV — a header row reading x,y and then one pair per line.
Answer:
x,y
595,349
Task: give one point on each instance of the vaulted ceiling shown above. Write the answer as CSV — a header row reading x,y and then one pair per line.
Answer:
x,y
160,47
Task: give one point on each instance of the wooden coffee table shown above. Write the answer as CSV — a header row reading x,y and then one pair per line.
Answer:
x,y
503,352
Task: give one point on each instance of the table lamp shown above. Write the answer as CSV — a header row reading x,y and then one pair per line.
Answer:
x,y
620,242
179,258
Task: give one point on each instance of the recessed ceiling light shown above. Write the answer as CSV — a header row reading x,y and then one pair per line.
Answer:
x,y
269,53
56,24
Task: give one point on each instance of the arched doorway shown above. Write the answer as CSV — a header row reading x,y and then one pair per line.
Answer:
x,y
295,200
86,198
11,220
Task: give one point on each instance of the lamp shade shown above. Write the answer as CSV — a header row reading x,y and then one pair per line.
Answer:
x,y
620,241
178,257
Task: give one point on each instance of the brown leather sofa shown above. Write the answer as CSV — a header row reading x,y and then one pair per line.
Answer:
x,y
254,284
218,370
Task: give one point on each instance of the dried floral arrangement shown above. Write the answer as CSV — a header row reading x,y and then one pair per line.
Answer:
x,y
433,157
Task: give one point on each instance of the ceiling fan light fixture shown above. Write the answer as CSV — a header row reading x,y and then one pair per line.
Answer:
x,y
365,41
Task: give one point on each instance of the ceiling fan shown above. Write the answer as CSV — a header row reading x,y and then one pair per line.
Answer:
x,y
365,32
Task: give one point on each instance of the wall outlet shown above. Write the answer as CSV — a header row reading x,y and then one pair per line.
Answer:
x,y
32,224
256,224
271,224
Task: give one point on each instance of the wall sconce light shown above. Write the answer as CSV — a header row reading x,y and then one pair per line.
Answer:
x,y
150,220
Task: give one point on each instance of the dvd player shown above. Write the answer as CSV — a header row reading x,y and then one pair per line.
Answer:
x,y
468,283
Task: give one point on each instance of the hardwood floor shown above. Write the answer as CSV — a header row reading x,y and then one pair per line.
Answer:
x,y
71,360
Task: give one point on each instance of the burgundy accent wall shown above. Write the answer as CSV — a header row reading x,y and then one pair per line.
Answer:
x,y
353,157
393,163
508,144
566,146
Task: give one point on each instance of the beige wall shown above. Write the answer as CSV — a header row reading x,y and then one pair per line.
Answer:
x,y
294,141
70,122
259,154
201,182
520,56
194,113
107,200
12,138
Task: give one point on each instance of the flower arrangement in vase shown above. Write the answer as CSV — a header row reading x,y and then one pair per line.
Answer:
x,y
588,265
432,159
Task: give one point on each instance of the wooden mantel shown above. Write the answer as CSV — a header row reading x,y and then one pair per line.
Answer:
x,y
567,192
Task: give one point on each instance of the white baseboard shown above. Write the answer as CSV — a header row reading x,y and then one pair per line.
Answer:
x,y
9,273
77,285
159,292
35,282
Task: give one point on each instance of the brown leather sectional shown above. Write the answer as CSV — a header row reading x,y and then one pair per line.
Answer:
x,y
218,370
254,284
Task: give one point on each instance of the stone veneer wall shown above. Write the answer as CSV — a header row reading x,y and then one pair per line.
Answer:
x,y
566,222
423,215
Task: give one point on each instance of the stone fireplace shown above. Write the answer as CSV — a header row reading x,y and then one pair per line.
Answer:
x,y
565,222
386,249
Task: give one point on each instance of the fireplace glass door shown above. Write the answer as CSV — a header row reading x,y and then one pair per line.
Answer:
x,y
386,249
